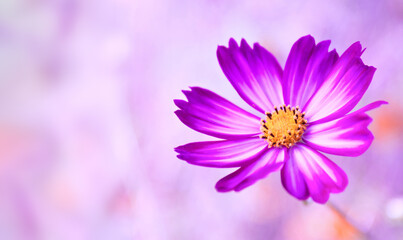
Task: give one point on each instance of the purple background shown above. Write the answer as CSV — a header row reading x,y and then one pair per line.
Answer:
x,y
87,128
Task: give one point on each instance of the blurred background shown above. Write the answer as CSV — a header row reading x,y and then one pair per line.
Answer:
x,y
87,128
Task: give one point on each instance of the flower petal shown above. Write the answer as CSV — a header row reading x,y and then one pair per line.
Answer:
x,y
211,114
226,153
315,174
306,68
346,136
271,160
254,73
342,89
293,180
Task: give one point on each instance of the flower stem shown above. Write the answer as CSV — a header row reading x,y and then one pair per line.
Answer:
x,y
347,225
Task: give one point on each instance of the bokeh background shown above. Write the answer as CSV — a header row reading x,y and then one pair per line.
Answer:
x,y
87,128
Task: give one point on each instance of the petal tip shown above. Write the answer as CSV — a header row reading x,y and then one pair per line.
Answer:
x,y
322,199
306,39
244,44
180,114
181,157
356,48
232,43
221,50
178,149
186,92
180,103
195,88
220,187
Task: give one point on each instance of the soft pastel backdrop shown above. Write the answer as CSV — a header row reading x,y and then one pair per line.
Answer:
x,y
87,128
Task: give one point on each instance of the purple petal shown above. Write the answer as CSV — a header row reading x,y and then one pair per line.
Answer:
x,y
254,73
342,89
271,160
346,136
226,153
211,114
306,68
293,180
315,174
295,67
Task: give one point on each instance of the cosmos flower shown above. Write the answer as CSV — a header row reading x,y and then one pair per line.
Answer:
x,y
305,110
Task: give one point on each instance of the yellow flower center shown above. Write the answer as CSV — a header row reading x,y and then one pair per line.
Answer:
x,y
283,126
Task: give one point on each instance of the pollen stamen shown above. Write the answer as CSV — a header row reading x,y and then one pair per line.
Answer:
x,y
283,127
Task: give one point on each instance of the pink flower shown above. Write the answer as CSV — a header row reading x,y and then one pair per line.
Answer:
x,y
304,108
